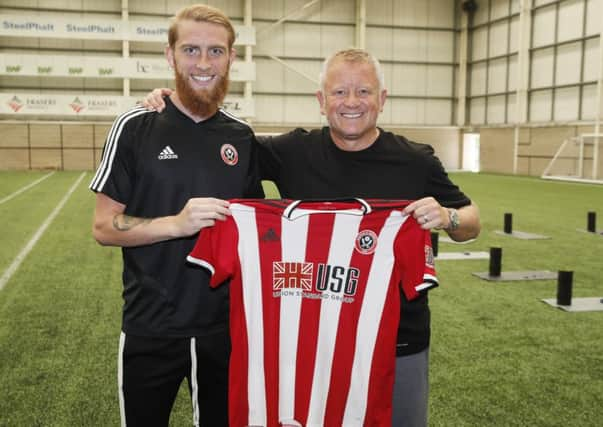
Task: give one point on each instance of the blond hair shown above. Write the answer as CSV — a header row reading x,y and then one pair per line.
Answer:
x,y
354,56
200,13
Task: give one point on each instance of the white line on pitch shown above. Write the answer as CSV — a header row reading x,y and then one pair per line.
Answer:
x,y
27,187
32,242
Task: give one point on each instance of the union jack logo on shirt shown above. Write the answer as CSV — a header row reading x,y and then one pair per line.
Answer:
x,y
292,275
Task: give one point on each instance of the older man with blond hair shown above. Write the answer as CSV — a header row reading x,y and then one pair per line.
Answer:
x,y
353,157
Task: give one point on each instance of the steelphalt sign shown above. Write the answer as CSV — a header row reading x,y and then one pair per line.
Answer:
x,y
75,26
31,104
60,27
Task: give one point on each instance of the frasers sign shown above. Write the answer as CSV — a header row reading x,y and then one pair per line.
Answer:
x,y
24,104
62,105
77,27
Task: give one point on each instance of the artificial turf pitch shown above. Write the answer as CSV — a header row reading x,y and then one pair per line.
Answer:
x,y
499,356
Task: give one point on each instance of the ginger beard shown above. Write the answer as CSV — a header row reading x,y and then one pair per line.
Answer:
x,y
201,102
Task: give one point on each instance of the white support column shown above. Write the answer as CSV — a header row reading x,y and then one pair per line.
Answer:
x,y
360,36
523,68
125,49
248,21
599,110
461,106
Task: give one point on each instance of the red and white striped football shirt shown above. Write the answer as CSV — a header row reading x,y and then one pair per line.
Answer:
x,y
315,306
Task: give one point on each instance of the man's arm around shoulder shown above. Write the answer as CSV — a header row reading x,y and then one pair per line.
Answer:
x,y
112,227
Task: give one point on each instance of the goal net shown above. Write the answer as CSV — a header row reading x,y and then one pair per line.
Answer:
x,y
579,158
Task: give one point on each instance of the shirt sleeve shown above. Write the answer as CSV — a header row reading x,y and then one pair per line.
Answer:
x,y
269,160
254,189
414,259
115,174
277,151
216,250
440,186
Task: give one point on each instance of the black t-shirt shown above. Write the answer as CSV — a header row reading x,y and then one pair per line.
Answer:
x,y
153,163
308,165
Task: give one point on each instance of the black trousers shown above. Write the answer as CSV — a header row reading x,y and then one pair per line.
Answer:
x,y
151,370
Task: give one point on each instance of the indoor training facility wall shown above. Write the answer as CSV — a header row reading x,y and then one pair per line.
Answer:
x,y
51,145
537,145
78,146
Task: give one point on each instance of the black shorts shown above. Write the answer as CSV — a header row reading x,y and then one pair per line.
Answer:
x,y
150,371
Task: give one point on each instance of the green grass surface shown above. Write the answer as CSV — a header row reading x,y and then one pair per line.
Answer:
x,y
499,356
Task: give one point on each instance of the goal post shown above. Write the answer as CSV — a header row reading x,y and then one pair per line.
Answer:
x,y
577,159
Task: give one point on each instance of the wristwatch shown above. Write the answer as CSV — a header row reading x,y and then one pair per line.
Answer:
x,y
453,217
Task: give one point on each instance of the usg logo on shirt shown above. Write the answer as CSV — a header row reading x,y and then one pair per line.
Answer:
x,y
167,154
331,281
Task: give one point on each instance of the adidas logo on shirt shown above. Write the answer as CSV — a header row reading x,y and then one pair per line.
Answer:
x,y
167,153
270,236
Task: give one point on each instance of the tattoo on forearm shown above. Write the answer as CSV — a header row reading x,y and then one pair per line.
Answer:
x,y
123,222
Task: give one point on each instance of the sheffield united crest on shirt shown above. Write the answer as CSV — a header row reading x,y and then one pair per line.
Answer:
x,y
366,242
229,154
